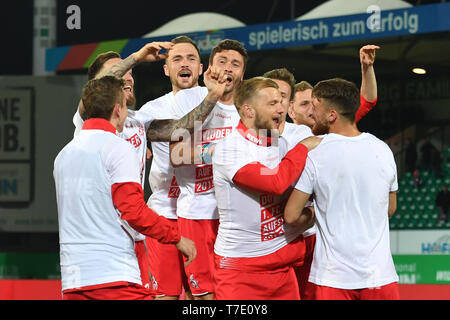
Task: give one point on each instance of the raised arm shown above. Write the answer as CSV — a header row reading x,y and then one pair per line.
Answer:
x,y
162,130
368,79
369,94
149,53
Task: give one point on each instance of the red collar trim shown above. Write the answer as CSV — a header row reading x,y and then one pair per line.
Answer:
x,y
250,135
98,124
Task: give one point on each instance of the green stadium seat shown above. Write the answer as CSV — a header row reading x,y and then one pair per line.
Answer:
x,y
424,174
427,200
418,200
420,225
429,225
411,224
406,217
425,216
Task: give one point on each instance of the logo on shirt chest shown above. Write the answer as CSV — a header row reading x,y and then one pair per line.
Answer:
x,y
272,220
203,178
214,134
135,140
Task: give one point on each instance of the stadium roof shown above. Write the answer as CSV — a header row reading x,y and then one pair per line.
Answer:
x,y
200,21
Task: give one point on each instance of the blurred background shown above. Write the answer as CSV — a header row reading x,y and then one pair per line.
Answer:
x,y
49,45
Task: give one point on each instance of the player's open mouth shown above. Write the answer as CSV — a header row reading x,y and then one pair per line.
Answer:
x,y
276,121
229,80
127,89
185,74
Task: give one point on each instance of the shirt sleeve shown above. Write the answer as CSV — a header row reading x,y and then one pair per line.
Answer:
x,y
128,198
364,108
394,185
121,162
306,181
145,114
257,177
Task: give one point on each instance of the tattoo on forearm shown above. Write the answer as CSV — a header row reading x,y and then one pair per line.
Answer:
x,y
161,130
122,67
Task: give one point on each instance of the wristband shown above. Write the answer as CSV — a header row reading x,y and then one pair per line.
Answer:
x,y
206,156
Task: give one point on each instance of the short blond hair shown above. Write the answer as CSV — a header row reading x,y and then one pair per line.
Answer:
x,y
302,86
247,89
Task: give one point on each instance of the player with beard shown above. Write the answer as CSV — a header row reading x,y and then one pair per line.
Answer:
x,y
300,110
353,177
254,251
196,205
183,67
136,131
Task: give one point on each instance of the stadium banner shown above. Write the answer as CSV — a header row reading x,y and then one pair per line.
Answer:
x,y
375,24
35,124
423,269
16,146
420,242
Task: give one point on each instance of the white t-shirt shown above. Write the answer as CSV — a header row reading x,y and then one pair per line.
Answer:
x,y
251,223
351,178
96,245
165,190
134,131
294,133
197,200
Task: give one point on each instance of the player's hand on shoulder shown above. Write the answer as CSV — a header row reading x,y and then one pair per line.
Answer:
x,y
187,248
311,142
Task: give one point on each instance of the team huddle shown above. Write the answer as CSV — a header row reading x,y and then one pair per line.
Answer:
x,y
244,205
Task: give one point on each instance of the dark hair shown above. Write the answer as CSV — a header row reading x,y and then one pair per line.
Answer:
x,y
99,61
302,86
341,94
100,95
246,90
284,75
186,39
228,44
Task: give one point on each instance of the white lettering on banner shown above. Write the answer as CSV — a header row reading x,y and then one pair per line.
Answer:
x,y
443,275
15,145
322,30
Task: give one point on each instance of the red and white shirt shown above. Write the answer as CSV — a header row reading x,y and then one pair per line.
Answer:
x,y
134,131
162,180
100,204
251,223
197,200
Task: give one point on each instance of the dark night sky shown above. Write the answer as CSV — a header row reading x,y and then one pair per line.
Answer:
x,y
118,19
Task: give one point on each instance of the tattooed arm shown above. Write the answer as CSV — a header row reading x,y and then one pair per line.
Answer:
x,y
162,130
148,53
